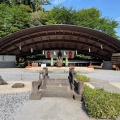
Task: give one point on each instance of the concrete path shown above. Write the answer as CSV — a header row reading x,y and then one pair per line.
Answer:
x,y
53,109
97,83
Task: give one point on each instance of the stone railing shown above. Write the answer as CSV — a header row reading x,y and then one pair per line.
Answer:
x,y
74,84
41,83
71,77
36,85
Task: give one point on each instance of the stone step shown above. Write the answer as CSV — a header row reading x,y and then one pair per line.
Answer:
x,y
54,88
63,94
58,78
57,88
37,96
57,81
58,84
77,96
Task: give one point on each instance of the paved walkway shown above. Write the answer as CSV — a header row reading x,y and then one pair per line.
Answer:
x,y
53,109
97,83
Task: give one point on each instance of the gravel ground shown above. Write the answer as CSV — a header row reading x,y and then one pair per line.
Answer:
x,y
19,74
12,101
10,104
30,75
106,75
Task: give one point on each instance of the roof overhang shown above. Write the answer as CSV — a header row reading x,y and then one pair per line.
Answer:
x,y
66,37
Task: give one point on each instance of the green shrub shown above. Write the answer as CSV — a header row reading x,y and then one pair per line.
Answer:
x,y
82,78
101,104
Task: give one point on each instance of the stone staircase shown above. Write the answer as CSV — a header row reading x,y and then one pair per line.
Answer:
x,y
57,88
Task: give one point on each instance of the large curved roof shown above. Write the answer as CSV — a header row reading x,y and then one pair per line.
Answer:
x,y
67,37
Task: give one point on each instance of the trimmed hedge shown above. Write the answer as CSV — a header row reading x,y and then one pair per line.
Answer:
x,y
101,104
83,78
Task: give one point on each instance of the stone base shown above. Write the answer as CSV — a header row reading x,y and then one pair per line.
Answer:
x,y
28,66
37,96
2,82
90,66
77,97
18,85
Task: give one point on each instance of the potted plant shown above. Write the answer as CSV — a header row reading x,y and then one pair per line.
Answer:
x,y
80,79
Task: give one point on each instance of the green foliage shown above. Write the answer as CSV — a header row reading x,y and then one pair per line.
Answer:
x,y
59,15
26,8
108,26
20,16
81,56
35,5
101,104
13,18
83,78
90,18
36,18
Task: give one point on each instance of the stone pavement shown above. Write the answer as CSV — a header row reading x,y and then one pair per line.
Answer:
x,y
97,83
53,109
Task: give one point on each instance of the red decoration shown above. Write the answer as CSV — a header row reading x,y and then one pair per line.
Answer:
x,y
48,54
70,54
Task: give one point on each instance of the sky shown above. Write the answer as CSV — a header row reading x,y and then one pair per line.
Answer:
x,y
108,8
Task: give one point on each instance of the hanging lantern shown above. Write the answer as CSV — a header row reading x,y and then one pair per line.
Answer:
x,y
70,54
48,54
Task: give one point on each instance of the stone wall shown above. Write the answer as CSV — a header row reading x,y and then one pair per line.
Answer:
x,y
107,65
7,64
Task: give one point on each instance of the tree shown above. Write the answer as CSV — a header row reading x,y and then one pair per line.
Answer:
x,y
59,15
35,5
36,18
13,18
108,26
90,18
